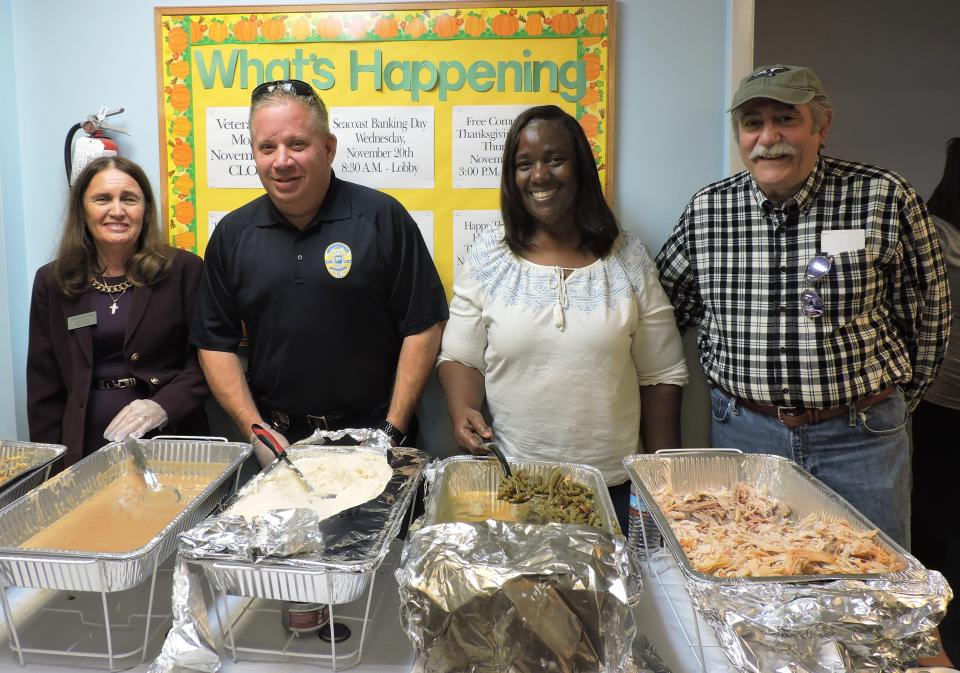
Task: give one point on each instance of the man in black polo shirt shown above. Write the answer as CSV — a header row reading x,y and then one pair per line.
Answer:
x,y
342,304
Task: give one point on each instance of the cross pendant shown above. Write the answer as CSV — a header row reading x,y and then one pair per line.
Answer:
x,y
113,307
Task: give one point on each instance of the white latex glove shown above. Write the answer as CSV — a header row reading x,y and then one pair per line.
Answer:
x,y
263,453
135,420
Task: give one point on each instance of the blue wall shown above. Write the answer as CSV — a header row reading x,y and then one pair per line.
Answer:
x,y
12,339
66,63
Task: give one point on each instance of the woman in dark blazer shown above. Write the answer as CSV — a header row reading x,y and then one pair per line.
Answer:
x,y
109,355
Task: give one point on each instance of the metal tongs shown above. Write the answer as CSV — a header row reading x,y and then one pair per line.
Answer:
x,y
494,448
271,443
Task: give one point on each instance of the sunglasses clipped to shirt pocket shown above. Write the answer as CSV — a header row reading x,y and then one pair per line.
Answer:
x,y
839,291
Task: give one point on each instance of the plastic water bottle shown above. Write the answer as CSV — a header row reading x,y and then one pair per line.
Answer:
x,y
641,524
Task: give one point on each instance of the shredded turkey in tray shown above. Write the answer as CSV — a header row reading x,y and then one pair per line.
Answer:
x,y
741,532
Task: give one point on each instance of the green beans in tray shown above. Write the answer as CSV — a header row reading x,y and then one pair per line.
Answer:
x,y
558,498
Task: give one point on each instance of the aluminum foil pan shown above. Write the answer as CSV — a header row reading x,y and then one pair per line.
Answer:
x,y
24,465
333,567
457,483
480,594
804,623
689,472
103,571
494,596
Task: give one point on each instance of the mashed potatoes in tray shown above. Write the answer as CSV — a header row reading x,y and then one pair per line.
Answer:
x,y
354,478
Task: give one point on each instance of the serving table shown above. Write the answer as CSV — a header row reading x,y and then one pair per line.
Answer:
x,y
387,649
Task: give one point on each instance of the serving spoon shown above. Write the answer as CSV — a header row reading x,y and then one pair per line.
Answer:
x,y
280,452
156,493
494,448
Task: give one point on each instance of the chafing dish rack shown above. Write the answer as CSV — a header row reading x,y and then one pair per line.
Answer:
x,y
287,555
204,460
801,621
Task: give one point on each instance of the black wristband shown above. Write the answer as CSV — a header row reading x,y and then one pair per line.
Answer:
x,y
392,432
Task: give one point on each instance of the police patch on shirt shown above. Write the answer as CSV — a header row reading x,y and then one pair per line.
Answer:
x,y
338,258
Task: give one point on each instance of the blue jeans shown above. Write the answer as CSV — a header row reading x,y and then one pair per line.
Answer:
x,y
863,456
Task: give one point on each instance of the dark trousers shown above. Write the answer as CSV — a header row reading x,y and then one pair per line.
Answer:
x,y
936,534
620,494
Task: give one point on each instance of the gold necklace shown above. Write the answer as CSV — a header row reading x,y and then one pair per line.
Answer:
x,y
100,286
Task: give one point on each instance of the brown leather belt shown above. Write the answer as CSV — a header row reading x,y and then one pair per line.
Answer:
x,y
794,417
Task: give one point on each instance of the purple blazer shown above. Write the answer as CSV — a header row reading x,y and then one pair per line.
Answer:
x,y
156,349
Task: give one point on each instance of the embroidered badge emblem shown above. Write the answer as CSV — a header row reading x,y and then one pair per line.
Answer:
x,y
769,72
338,258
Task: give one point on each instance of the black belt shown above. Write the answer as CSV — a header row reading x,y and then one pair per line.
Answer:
x,y
283,421
114,384
330,420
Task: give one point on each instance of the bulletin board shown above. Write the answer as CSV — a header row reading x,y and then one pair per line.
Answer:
x,y
420,97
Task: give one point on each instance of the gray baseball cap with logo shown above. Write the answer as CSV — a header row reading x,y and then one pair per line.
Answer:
x,y
791,84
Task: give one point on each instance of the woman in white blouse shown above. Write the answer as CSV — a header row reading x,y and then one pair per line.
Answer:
x,y
559,321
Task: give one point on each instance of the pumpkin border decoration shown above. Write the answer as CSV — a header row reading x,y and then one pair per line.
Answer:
x,y
178,30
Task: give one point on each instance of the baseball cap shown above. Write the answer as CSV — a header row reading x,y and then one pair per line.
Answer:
x,y
791,84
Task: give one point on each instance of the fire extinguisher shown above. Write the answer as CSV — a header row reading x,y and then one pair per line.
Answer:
x,y
95,144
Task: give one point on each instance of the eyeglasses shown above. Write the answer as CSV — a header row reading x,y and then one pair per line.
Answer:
x,y
292,86
817,268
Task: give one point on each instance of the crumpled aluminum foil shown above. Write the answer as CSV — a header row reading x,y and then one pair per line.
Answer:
x,y
354,541
279,533
835,626
497,596
363,436
189,643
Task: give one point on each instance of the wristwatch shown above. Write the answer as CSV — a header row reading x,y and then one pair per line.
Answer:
x,y
393,432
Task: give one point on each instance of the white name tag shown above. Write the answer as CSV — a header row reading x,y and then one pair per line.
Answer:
x,y
835,241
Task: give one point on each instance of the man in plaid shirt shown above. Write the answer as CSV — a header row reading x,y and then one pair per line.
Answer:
x,y
820,296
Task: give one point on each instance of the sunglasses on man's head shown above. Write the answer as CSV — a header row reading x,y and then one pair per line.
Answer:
x,y
292,86
817,268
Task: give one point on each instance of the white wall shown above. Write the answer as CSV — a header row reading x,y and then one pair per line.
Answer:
x,y
891,67
671,95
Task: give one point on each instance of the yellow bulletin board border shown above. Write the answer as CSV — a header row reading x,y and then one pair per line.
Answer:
x,y
180,29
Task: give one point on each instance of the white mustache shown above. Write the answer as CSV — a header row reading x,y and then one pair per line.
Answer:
x,y
782,148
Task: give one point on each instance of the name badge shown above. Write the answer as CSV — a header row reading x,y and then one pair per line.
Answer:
x,y
81,320
836,241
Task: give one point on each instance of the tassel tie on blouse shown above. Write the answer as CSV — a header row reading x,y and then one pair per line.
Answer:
x,y
561,302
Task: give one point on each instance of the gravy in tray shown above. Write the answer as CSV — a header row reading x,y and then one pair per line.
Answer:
x,y
118,518
474,506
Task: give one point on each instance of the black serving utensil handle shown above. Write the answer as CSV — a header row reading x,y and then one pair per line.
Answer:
x,y
493,448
